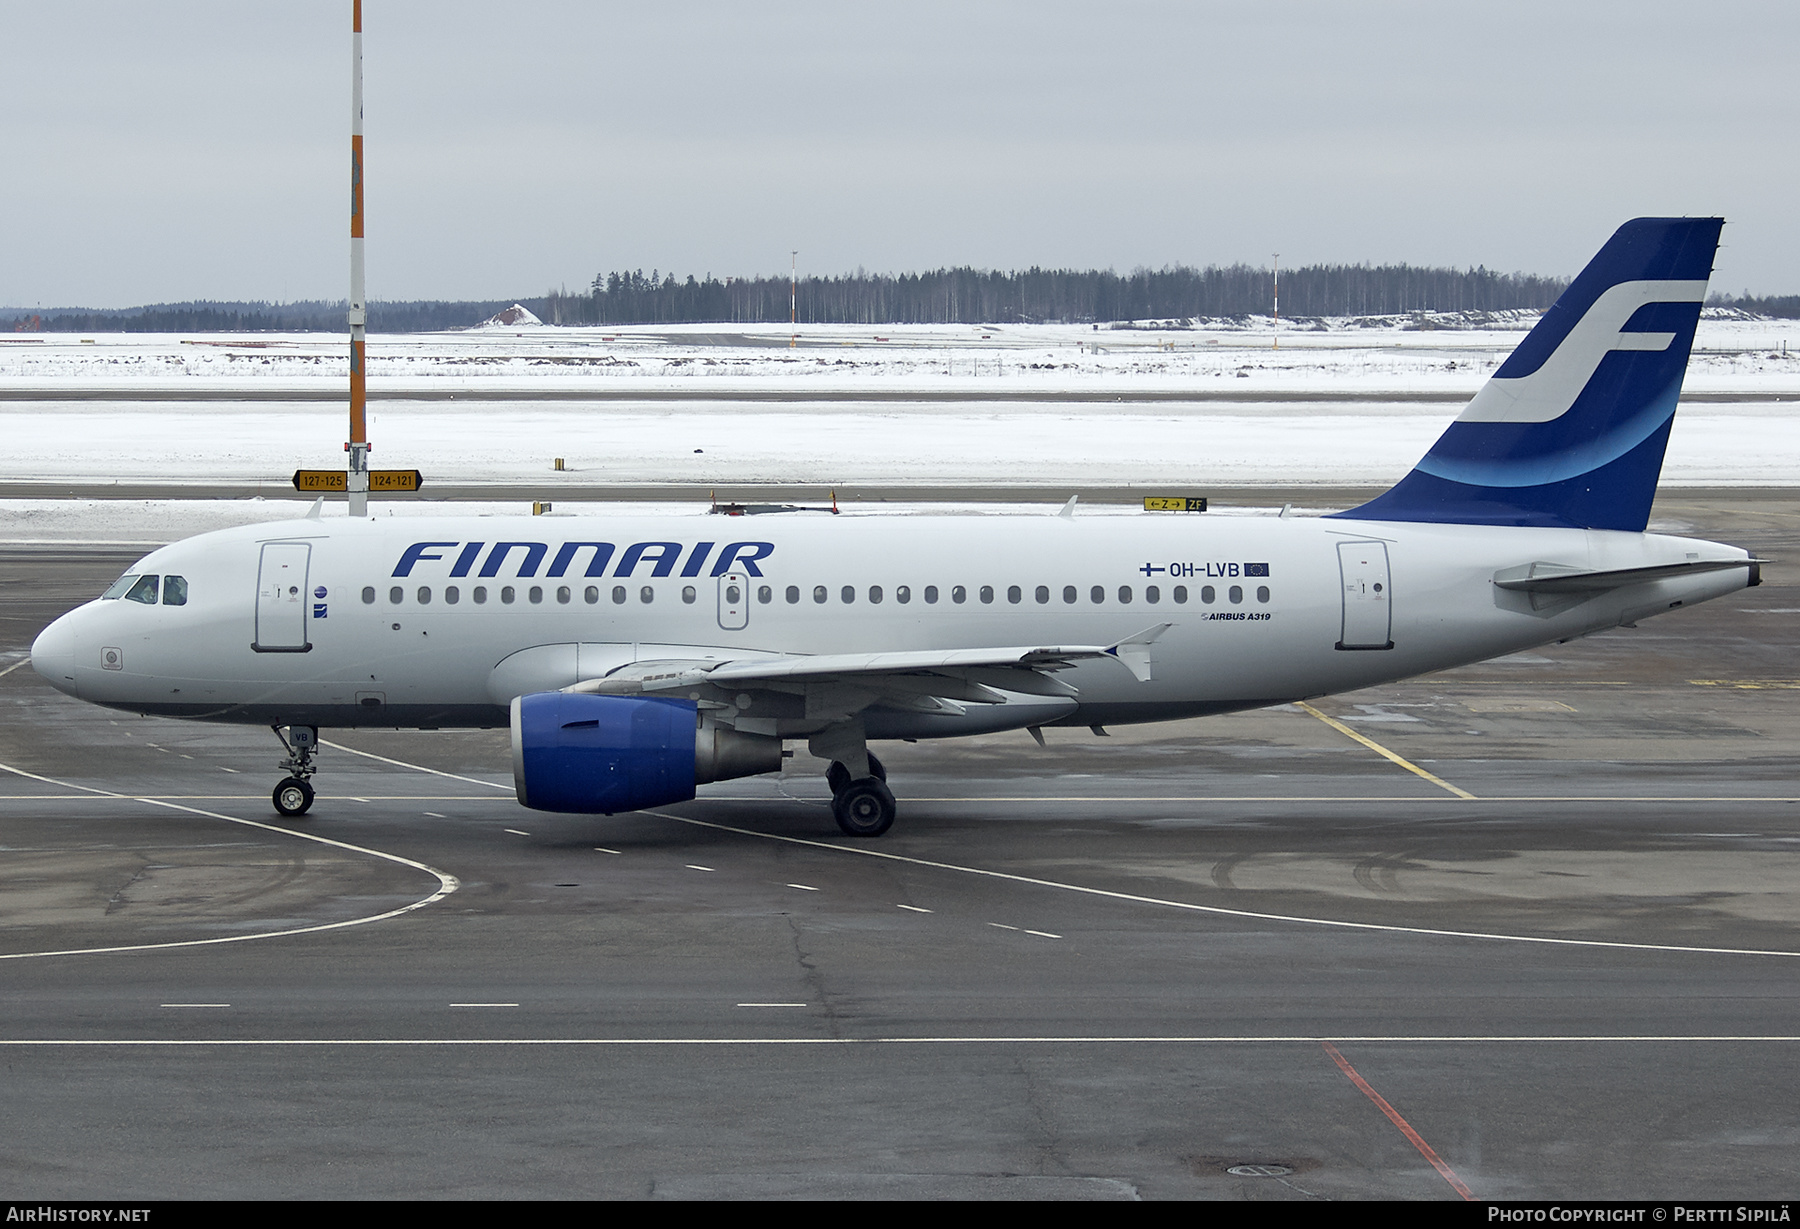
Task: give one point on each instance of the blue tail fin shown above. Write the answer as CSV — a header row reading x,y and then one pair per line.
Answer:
x,y
1570,430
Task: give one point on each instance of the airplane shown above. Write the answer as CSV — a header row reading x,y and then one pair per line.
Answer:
x,y
636,657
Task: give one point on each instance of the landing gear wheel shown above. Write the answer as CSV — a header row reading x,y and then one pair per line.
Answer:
x,y
293,796
864,808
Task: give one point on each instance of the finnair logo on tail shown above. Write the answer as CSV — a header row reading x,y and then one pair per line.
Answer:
x,y
1549,392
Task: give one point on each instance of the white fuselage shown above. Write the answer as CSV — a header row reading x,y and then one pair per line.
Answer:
x,y
1260,610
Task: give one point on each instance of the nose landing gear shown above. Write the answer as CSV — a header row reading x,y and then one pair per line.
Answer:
x,y
293,795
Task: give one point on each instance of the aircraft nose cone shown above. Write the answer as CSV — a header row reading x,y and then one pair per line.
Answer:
x,y
53,655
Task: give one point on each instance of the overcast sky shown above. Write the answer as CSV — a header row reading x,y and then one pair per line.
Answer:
x,y
181,150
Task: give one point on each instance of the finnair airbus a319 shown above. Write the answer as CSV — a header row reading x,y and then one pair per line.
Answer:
x,y
641,656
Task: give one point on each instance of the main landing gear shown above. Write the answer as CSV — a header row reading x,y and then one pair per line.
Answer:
x,y
862,807
293,795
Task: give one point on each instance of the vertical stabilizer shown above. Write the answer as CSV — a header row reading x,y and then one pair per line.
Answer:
x,y
1570,430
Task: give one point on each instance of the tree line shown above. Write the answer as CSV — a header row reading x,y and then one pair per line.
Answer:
x,y
975,296
944,296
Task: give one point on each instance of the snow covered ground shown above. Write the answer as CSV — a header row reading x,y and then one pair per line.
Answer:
x,y
1374,400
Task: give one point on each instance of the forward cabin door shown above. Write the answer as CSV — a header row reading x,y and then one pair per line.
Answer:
x,y
1368,596
281,598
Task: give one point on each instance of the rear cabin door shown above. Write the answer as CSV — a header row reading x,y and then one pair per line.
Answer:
x,y
281,598
1368,596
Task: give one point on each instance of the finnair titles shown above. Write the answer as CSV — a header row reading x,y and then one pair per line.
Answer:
x,y
643,658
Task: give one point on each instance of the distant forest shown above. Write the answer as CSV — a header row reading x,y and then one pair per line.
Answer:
x,y
315,316
945,296
976,296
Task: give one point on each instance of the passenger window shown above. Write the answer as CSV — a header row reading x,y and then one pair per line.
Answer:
x,y
1042,594
481,595
591,594
765,595
1207,594
733,595
618,595
1180,595
902,594
174,591
1236,595
452,595
792,594
646,595
563,594
1097,594
931,595
396,595
424,595
536,595
506,594
143,591
1262,593
688,594
1069,594
987,594
959,595
1152,594
1125,595
875,594
848,594
819,594
118,588
368,595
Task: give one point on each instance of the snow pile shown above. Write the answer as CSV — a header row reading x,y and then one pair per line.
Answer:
x,y
515,316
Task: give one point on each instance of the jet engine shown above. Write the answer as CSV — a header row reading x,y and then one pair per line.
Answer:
x,y
597,753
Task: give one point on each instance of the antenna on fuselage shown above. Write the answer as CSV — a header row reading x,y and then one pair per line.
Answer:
x,y
358,447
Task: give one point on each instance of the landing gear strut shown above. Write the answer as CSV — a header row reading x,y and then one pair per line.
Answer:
x,y
862,807
293,795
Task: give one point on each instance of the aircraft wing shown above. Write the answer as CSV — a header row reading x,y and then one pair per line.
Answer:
x,y
973,675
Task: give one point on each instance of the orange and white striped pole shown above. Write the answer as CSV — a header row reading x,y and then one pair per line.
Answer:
x,y
358,447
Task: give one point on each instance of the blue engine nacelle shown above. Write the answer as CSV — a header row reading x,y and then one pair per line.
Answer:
x,y
596,753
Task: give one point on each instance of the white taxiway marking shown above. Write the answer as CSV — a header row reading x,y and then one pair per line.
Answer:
x,y
24,661
1002,926
1197,1039
325,742
802,887
433,815
602,849
694,867
446,883
222,768
1220,911
912,908
1043,934
516,832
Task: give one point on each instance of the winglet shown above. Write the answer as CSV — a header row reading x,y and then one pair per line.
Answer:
x,y
1068,509
316,512
1134,651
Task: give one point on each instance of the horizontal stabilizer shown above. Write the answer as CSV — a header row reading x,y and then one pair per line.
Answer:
x,y
1560,578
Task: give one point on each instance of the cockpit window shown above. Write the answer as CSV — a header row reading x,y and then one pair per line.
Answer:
x,y
174,590
118,587
143,591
